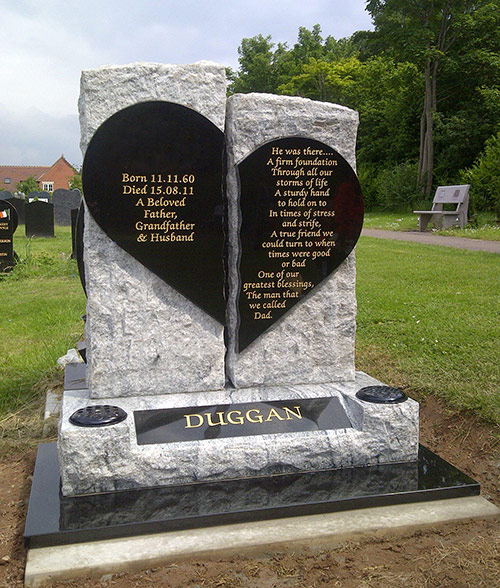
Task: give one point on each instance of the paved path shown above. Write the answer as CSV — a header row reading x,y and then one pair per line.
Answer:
x,y
430,239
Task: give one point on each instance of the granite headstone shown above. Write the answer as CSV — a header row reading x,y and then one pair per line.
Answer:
x,y
202,396
8,225
20,205
64,201
39,219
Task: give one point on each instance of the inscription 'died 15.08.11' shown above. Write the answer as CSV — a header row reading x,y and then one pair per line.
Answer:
x,y
302,211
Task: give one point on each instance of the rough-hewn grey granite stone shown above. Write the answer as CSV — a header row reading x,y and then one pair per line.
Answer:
x,y
108,458
144,337
314,341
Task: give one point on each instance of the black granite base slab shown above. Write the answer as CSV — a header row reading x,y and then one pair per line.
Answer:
x,y
56,520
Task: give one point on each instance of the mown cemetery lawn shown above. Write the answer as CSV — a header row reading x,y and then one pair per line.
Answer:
x,y
428,320
486,227
41,304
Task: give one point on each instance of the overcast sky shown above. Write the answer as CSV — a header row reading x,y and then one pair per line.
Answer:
x,y
44,45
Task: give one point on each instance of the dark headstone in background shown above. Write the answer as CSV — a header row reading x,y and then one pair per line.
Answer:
x,y
8,225
39,219
20,205
64,202
5,195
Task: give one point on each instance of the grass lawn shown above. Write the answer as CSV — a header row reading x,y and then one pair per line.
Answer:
x,y
429,321
41,304
486,228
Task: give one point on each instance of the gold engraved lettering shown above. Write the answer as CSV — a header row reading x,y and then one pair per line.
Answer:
x,y
188,418
161,196
211,423
239,420
257,419
301,182
289,412
273,414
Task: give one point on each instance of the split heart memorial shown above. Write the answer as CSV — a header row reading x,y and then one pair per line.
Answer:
x,y
219,269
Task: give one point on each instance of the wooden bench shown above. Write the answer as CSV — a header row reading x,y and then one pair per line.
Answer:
x,y
458,195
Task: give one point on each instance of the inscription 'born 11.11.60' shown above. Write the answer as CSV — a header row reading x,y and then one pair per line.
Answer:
x,y
302,211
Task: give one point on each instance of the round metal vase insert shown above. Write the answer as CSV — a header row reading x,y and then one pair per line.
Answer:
x,y
98,416
381,395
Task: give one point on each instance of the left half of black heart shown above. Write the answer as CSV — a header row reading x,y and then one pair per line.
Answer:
x,y
152,181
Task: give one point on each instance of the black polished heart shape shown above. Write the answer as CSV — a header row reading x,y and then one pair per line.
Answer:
x,y
301,215
152,180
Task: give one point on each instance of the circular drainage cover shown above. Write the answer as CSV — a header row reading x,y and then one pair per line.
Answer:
x,y
381,395
98,416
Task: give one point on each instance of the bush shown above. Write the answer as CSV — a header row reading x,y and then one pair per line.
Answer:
x,y
484,178
368,178
397,187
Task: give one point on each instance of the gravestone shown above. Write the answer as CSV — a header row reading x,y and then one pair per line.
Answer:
x,y
64,201
165,343
39,219
297,236
20,205
8,226
200,388
5,195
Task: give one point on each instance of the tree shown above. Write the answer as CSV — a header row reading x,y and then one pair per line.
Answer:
x,y
469,101
76,182
484,177
256,66
421,31
27,186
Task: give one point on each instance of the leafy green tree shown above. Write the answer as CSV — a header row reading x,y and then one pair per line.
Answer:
x,y
484,177
76,182
421,32
469,104
256,73
27,186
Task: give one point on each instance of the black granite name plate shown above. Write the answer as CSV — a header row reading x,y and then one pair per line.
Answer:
x,y
8,225
301,215
239,420
152,180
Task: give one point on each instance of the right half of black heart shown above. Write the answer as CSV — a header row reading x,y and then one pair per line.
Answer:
x,y
301,216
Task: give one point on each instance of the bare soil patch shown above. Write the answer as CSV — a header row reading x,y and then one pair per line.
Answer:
x,y
451,555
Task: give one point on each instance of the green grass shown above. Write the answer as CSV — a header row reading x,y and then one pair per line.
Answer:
x,y
41,303
486,228
429,321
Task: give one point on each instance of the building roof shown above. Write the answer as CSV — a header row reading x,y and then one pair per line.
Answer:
x,y
61,163
61,169
19,173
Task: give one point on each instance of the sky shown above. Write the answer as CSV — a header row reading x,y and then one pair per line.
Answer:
x,y
45,44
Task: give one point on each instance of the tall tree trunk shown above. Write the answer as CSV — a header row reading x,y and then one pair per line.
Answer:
x,y
426,157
